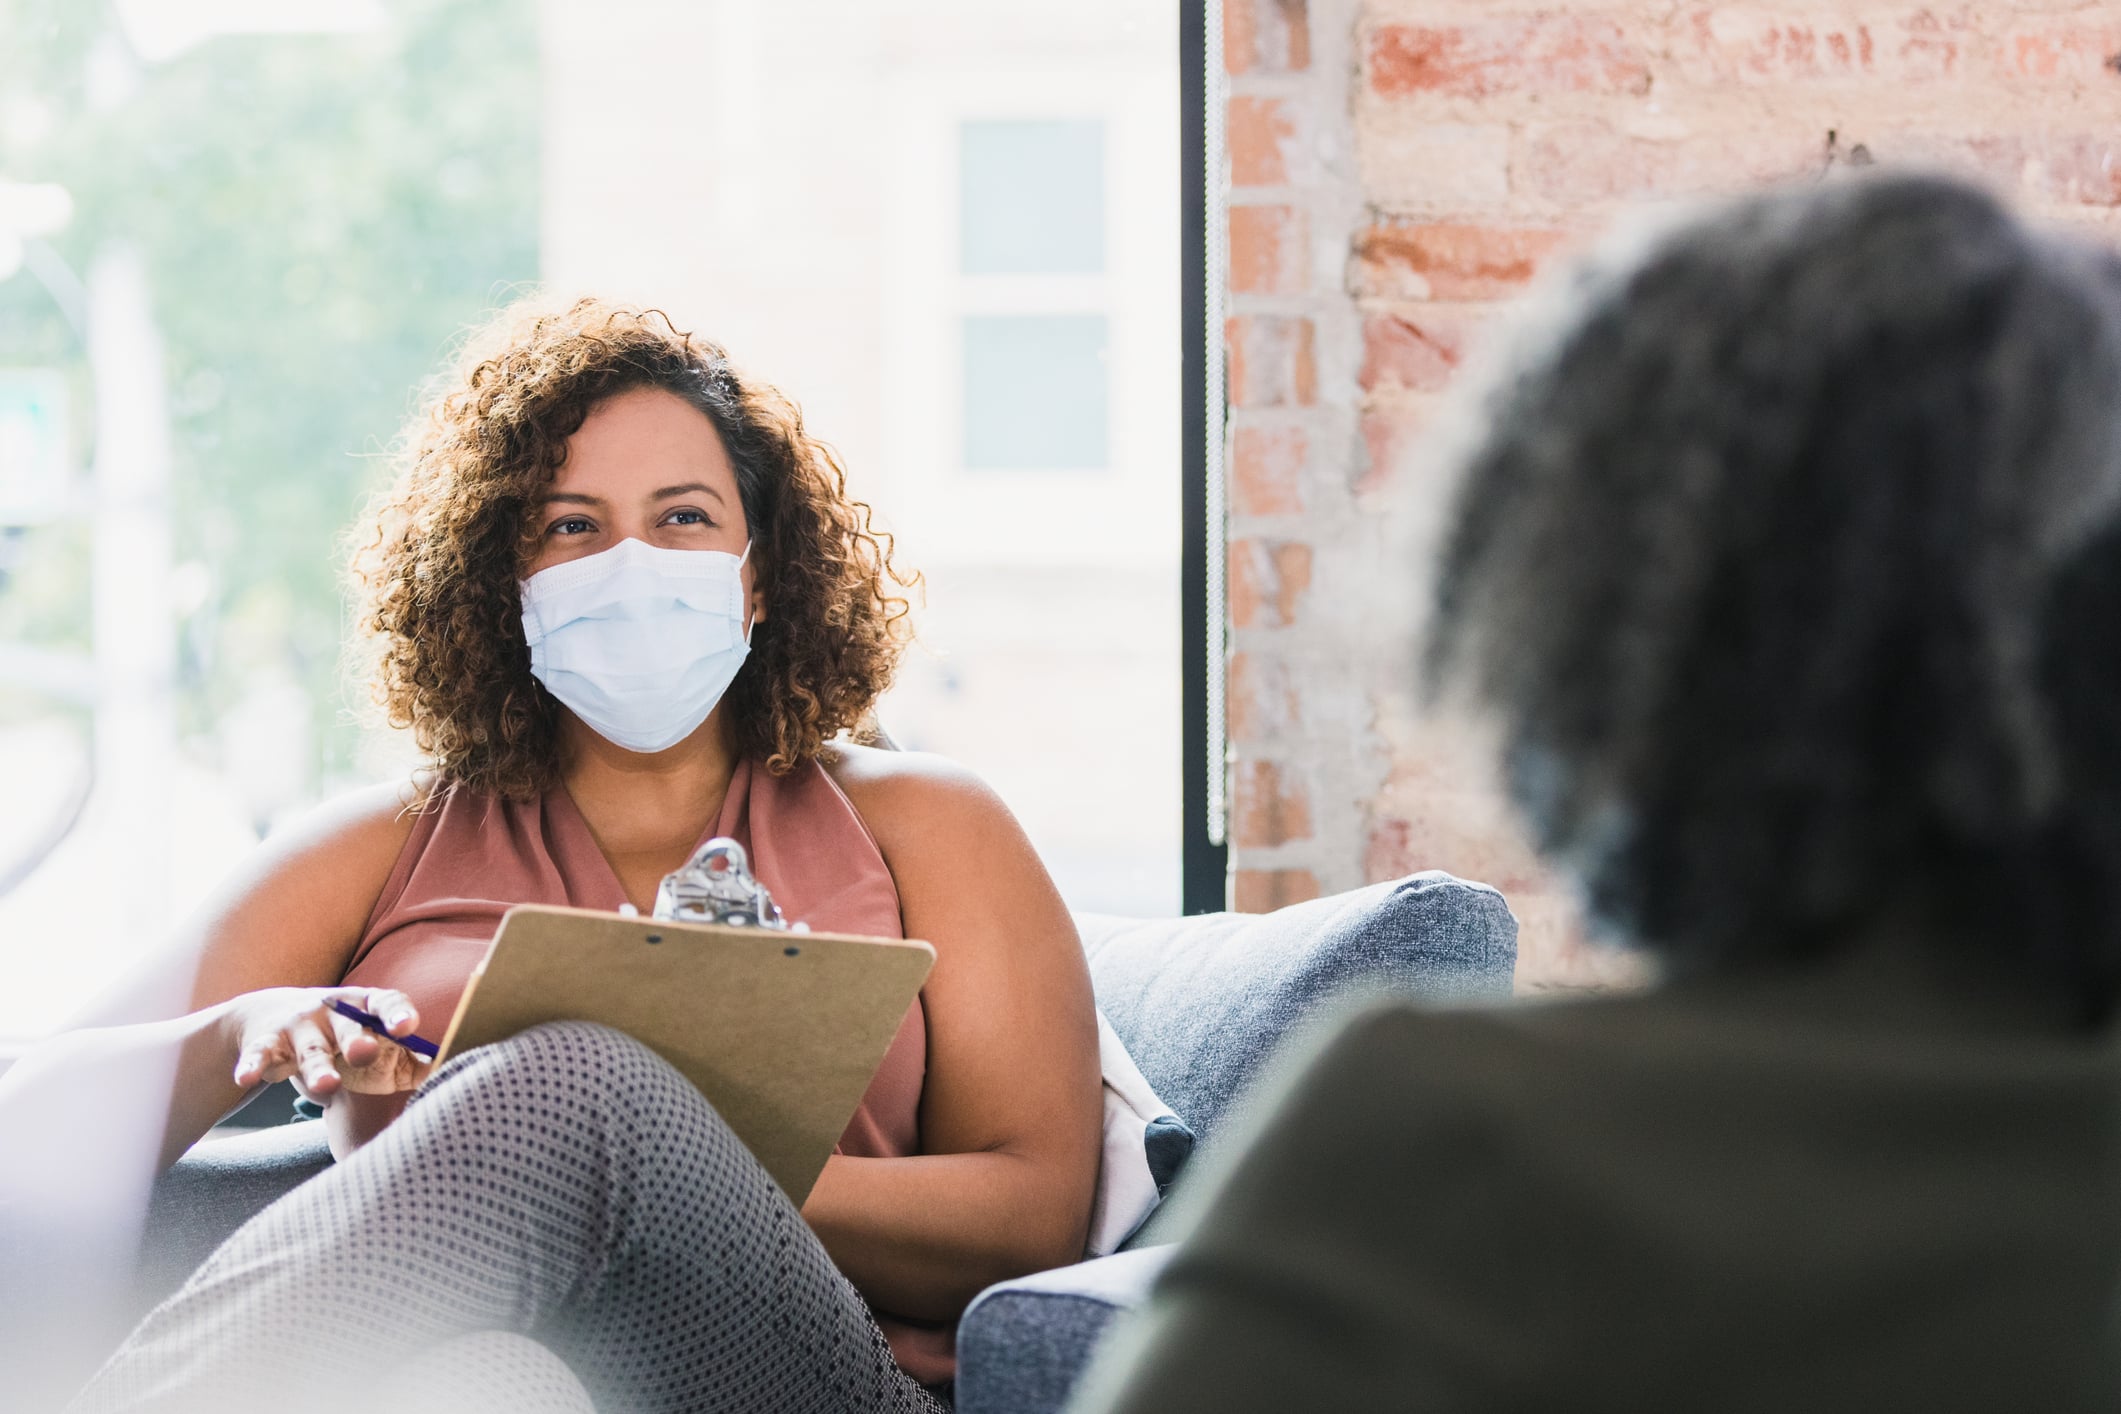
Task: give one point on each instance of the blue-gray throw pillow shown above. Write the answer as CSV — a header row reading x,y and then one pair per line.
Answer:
x,y
1200,1002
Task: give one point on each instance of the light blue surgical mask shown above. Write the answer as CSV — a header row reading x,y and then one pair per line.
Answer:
x,y
638,641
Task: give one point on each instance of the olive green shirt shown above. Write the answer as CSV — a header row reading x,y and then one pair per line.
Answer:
x,y
1883,1185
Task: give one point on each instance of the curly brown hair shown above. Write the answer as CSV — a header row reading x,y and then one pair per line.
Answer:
x,y
443,550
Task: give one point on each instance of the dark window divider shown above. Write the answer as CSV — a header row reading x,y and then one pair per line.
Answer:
x,y
1205,847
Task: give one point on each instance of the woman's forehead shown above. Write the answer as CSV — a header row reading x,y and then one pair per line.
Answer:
x,y
642,440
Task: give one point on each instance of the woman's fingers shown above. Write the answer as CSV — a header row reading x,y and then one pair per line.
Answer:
x,y
373,1064
314,1053
395,1008
323,1051
357,1045
264,1062
393,1069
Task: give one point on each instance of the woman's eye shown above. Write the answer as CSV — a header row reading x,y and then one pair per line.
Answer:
x,y
572,525
687,516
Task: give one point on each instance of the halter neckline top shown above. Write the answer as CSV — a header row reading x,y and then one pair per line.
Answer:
x,y
471,857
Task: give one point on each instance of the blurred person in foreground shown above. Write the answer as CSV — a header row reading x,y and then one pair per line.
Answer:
x,y
1788,561
625,603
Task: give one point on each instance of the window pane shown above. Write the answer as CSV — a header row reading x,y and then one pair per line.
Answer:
x,y
1032,198
33,451
1035,392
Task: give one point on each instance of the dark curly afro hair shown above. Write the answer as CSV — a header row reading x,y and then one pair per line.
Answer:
x,y
1789,563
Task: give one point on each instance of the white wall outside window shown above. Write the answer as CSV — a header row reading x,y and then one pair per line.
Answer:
x,y
1054,596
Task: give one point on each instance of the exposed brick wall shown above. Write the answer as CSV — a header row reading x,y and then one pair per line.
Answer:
x,y
1397,169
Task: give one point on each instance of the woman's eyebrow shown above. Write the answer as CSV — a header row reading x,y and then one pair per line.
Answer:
x,y
689,486
573,497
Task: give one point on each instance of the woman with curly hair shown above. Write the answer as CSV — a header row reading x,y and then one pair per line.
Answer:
x,y
624,604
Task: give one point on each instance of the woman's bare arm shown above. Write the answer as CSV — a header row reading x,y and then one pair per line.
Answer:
x,y
1011,1110
160,1043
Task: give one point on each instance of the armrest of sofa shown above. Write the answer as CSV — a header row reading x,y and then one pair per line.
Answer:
x,y
1201,1002
1022,1344
217,1186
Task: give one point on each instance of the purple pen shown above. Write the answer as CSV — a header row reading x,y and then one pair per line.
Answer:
x,y
424,1049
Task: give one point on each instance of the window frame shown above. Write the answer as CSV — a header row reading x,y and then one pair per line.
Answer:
x,y
930,296
1204,634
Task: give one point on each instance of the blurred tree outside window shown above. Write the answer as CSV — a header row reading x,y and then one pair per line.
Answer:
x,y
313,218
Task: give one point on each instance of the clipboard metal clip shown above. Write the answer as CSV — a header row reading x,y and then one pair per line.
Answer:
x,y
717,886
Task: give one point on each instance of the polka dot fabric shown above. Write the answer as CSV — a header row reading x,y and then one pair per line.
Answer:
x,y
566,1185
495,1372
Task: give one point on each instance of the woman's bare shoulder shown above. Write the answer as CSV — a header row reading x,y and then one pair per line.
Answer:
x,y
969,880
368,820
926,812
909,789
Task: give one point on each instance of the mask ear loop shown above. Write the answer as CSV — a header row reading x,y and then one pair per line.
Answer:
x,y
752,621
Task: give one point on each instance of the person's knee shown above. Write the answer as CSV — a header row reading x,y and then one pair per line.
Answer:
x,y
575,1077
580,1048
496,1372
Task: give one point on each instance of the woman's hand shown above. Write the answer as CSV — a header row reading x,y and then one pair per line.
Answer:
x,y
291,1033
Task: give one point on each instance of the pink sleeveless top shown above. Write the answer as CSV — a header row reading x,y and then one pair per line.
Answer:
x,y
472,857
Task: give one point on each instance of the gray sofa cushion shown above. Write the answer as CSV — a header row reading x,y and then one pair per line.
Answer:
x,y
1022,1343
214,1189
1200,1002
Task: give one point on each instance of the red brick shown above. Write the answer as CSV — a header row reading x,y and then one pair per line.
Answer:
x,y
1466,837
1930,46
1573,165
1267,808
1542,53
1449,261
1272,362
1261,136
2078,168
1414,348
2081,169
1440,758
1264,890
2064,48
1259,699
1438,169
1390,852
1389,433
1582,163
1768,45
1439,809
1267,581
1266,36
2047,168
1269,250
2069,168
1266,470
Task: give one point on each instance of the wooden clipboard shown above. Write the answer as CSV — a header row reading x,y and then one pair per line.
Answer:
x,y
780,1030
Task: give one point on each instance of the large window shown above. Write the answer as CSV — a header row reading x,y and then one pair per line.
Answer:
x,y
235,238
1031,196
1032,387
1031,265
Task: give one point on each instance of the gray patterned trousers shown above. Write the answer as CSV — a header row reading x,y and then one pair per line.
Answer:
x,y
557,1222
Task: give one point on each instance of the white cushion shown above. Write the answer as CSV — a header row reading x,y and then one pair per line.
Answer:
x,y
1145,1145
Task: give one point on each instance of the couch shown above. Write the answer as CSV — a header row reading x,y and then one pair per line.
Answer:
x,y
1202,1003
